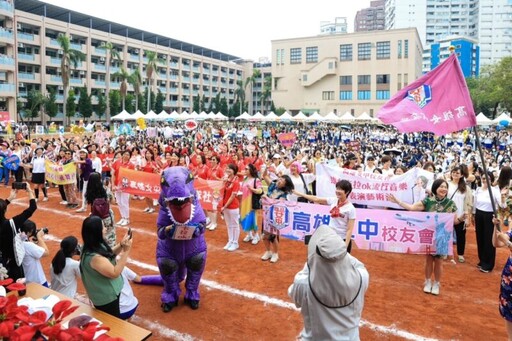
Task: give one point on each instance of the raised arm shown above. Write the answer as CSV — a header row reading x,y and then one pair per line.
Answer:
x,y
312,198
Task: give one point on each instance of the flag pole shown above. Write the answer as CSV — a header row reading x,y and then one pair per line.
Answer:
x,y
482,158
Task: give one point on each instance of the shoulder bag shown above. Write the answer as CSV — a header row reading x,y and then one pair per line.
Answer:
x,y
256,199
19,248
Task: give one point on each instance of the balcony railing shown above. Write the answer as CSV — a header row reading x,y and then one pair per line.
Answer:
x,y
55,61
55,78
6,34
100,67
54,42
75,81
24,56
5,60
100,51
7,87
24,75
6,6
25,36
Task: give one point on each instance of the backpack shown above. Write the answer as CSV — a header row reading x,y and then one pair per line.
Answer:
x,y
100,207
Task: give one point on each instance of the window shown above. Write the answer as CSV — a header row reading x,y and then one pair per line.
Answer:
x,y
364,51
295,55
406,48
345,80
382,79
399,83
383,94
328,95
280,56
383,50
364,95
345,95
406,79
399,49
364,79
312,54
346,52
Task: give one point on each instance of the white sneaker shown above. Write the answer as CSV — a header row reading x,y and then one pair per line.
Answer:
x,y
267,255
255,239
120,222
274,258
155,202
428,286
212,227
63,202
45,199
151,210
435,288
146,209
233,247
125,222
227,246
247,238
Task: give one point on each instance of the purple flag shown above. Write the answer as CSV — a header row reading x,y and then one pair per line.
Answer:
x,y
438,102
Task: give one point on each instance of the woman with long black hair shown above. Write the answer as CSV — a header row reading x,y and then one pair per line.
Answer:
x,y
100,270
96,190
64,270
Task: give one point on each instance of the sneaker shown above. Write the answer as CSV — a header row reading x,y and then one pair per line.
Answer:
x,y
435,288
461,259
274,258
155,202
428,286
80,210
267,255
247,238
255,239
484,270
125,222
146,209
227,246
45,199
63,202
212,227
120,222
453,261
233,247
151,210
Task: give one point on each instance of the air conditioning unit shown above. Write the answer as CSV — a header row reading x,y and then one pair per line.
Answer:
x,y
82,73
70,37
21,45
136,51
60,87
21,85
18,26
102,59
61,52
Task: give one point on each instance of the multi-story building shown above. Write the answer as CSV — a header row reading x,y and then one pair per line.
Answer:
x,y
338,26
371,18
495,30
467,50
31,56
405,14
355,72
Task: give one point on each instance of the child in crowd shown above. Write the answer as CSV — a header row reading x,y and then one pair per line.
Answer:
x,y
35,249
64,270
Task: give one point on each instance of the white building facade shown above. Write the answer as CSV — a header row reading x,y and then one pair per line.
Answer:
x,y
495,30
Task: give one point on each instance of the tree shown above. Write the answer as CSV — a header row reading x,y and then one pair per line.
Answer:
x,y
115,101
70,105
136,81
159,105
240,95
123,76
51,105
70,59
84,103
256,74
101,106
196,104
111,52
151,67
35,100
130,103
266,92
203,103
223,105
216,102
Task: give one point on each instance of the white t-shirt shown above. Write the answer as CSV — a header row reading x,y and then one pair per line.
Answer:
x,y
346,212
299,184
127,300
65,282
31,263
96,165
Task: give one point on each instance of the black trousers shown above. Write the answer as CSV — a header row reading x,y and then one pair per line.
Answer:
x,y
62,193
484,230
460,233
111,308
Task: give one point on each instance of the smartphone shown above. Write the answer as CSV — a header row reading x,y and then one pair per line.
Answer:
x,y
130,232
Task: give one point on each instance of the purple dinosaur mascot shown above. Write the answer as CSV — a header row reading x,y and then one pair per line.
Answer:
x,y
181,247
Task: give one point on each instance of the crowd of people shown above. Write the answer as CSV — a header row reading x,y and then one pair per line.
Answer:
x,y
252,162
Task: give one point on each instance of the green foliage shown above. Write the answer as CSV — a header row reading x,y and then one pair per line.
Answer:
x,y
130,103
196,104
51,105
115,102
141,102
101,106
159,102
217,102
70,104
84,103
35,100
279,111
223,106
203,104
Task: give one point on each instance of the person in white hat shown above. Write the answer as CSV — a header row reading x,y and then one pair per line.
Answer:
x,y
330,289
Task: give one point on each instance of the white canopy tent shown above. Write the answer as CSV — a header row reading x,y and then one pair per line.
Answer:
x,y
203,116
285,116
151,115
122,116
244,116
219,116
502,117
163,115
331,117
347,118
315,117
258,117
184,116
174,115
483,120
364,118
271,117
194,115
211,115
300,117
138,114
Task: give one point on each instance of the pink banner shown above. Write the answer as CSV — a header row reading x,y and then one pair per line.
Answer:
x,y
287,139
379,230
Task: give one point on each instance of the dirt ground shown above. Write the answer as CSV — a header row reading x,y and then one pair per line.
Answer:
x,y
244,298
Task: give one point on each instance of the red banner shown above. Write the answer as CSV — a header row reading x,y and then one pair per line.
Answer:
x,y
209,193
140,183
287,139
4,116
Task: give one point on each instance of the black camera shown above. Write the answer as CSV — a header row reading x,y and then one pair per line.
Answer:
x,y
45,231
19,185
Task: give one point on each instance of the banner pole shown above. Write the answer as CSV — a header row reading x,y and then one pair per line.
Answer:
x,y
487,180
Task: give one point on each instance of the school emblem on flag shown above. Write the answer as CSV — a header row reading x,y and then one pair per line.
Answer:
x,y
279,216
422,95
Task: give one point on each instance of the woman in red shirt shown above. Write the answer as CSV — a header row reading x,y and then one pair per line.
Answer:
x,y
216,173
201,170
123,199
240,164
231,206
255,159
149,165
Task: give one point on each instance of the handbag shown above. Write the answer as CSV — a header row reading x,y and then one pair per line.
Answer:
x,y
19,248
308,192
256,199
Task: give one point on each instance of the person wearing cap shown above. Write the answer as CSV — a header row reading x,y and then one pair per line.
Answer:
x,y
330,289
85,168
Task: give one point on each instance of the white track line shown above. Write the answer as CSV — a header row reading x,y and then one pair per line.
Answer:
x,y
246,294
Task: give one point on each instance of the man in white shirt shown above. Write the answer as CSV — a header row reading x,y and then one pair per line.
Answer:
x,y
35,249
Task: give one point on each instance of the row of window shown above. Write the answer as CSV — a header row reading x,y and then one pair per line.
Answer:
x,y
365,79
365,95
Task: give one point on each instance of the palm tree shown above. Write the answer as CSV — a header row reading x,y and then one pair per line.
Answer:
x,y
240,94
256,73
136,81
151,66
124,77
70,59
111,52
266,91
